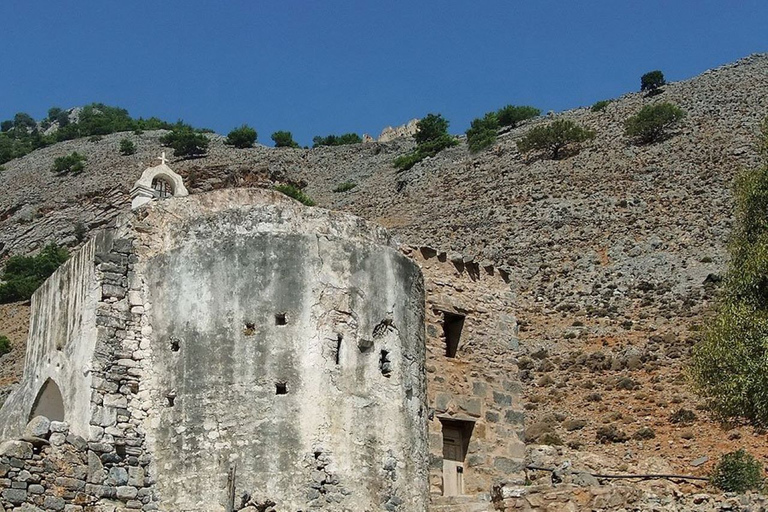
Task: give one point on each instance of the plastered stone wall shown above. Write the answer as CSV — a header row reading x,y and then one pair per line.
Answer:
x,y
479,385
62,339
287,343
96,460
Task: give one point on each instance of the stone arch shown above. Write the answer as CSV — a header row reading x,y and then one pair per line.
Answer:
x,y
163,186
49,402
159,182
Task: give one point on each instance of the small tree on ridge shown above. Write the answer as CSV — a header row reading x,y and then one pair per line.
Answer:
x,y
242,137
651,82
554,137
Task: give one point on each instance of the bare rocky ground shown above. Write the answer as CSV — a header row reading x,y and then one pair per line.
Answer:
x,y
615,253
14,323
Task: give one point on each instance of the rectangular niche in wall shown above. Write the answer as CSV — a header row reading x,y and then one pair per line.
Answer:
x,y
453,323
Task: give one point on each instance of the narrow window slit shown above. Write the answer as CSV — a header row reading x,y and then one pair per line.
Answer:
x,y
339,339
281,319
281,388
452,326
175,344
171,397
385,365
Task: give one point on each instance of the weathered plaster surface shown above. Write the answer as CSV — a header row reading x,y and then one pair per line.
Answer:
x,y
61,343
348,435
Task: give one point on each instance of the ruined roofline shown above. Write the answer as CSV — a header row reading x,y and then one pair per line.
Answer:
x,y
460,261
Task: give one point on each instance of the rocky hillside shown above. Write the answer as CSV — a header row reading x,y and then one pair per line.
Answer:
x,y
614,252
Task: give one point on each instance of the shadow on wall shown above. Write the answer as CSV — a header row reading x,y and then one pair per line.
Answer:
x,y
49,402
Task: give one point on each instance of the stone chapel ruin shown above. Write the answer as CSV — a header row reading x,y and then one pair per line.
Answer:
x,y
235,350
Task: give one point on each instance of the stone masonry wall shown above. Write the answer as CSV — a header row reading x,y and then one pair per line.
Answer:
x,y
107,469
479,385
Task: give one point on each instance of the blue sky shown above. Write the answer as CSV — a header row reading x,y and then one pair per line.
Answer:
x,y
322,67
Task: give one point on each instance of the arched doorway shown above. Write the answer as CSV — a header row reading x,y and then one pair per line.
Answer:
x,y
49,402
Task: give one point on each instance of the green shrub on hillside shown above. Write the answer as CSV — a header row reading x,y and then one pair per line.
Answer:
x,y
24,274
599,106
345,187
185,141
23,121
72,163
652,122
482,132
242,137
5,345
408,160
652,81
512,115
738,472
336,140
554,137
431,138
20,136
127,147
284,139
729,367
296,193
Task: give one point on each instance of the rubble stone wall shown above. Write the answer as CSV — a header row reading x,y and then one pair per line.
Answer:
x,y
479,384
103,466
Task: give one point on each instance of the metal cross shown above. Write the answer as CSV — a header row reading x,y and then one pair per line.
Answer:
x,y
162,159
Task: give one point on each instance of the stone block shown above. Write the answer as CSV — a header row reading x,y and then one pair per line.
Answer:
x,y
101,491
442,400
96,473
15,496
28,507
104,416
508,466
134,298
57,439
117,476
53,503
77,442
126,492
36,489
479,389
136,476
115,401
17,449
39,426
110,290
514,417
72,484
472,406
502,399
